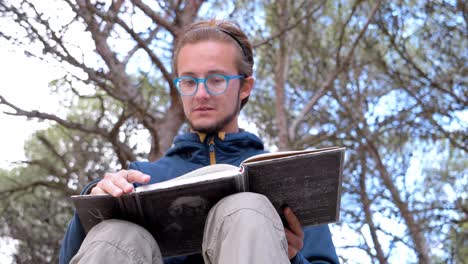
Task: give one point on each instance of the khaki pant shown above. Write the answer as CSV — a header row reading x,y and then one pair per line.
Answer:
x,y
241,228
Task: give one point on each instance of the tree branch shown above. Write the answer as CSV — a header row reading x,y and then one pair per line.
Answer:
x,y
157,18
46,116
281,71
123,90
405,56
331,78
22,188
54,151
146,42
124,153
290,27
142,44
112,13
366,203
343,31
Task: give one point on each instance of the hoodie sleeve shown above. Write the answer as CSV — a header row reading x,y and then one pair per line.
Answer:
x,y
71,243
318,247
74,235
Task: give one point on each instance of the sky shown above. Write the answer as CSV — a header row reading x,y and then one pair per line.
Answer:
x,y
23,82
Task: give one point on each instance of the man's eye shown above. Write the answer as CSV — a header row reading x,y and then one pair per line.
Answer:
x,y
216,80
188,83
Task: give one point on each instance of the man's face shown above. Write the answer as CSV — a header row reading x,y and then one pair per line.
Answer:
x,y
212,113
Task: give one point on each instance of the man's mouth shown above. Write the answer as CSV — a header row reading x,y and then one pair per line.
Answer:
x,y
203,108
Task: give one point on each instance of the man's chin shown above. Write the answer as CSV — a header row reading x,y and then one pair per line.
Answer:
x,y
211,125
205,128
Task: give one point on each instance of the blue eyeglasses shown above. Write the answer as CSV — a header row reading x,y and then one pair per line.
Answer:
x,y
215,84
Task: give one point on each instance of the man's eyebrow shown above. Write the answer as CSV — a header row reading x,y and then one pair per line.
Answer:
x,y
187,74
217,71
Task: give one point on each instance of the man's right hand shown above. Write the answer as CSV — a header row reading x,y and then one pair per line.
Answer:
x,y
119,183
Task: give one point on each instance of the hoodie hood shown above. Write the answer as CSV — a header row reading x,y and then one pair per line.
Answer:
x,y
229,148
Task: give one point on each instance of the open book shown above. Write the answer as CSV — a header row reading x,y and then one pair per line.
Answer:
x,y
174,211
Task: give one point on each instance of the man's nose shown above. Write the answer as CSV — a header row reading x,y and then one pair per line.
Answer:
x,y
202,91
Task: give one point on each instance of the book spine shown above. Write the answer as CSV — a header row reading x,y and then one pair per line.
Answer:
x,y
139,208
340,179
121,203
243,179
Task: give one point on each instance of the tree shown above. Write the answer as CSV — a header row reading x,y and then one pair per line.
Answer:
x,y
110,104
369,83
386,80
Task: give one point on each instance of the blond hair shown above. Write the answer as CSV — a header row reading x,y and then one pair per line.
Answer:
x,y
219,30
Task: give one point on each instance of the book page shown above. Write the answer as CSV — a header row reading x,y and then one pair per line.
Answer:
x,y
208,173
206,170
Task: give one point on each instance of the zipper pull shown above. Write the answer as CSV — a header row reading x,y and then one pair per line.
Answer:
x,y
211,149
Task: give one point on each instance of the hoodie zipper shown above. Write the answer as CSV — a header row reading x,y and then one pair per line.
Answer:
x,y
211,148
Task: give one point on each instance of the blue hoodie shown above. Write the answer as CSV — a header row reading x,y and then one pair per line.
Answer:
x,y
192,151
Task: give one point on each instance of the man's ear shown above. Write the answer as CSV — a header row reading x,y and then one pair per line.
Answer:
x,y
247,86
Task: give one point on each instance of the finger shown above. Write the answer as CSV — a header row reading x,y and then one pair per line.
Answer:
x,y
97,191
138,176
292,252
120,180
293,222
294,240
109,187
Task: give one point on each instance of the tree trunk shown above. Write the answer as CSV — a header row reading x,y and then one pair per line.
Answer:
x,y
415,233
281,71
366,203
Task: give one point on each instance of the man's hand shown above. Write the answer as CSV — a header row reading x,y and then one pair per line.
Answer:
x,y
119,183
294,233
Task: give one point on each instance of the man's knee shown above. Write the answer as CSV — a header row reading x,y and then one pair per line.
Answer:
x,y
245,205
116,229
128,242
241,221
247,200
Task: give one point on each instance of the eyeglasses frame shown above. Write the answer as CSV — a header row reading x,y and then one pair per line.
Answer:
x,y
203,80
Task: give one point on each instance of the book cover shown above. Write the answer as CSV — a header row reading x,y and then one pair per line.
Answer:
x,y
174,211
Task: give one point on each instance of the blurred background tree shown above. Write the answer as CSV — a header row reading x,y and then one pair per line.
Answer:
x,y
387,80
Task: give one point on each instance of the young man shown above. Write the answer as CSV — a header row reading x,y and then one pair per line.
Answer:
x,y
213,61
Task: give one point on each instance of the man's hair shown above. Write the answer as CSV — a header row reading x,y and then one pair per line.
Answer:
x,y
219,30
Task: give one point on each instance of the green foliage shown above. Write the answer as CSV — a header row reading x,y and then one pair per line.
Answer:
x,y
33,211
403,93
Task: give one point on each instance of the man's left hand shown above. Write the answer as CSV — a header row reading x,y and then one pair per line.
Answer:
x,y
294,233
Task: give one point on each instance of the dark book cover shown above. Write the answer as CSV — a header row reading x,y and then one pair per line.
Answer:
x,y
309,183
174,212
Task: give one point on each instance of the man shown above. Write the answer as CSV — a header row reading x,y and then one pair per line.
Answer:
x,y
213,61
